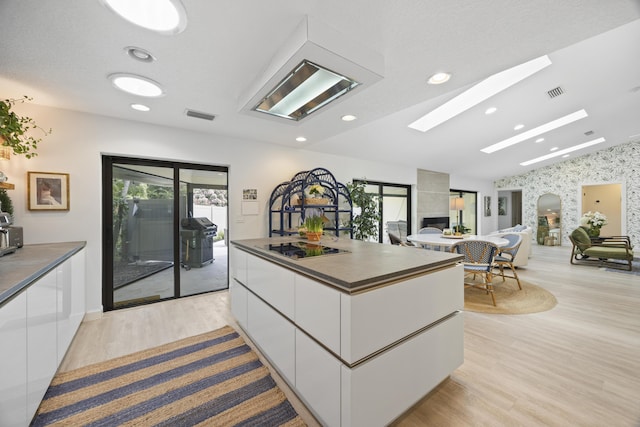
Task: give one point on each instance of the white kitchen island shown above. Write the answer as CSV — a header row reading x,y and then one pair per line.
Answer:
x,y
361,332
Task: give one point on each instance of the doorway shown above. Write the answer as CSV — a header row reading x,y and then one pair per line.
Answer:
x,y
606,199
394,204
164,227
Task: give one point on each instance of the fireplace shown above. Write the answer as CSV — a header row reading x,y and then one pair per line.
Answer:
x,y
440,222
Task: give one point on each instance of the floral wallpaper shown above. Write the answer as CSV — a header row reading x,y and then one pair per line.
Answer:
x,y
616,164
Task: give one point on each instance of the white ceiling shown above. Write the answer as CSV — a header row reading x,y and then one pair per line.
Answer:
x,y
60,52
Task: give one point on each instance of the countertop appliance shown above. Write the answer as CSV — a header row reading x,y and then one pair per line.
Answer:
x,y
5,246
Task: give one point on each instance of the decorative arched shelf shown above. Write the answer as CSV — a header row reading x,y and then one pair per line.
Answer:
x,y
289,204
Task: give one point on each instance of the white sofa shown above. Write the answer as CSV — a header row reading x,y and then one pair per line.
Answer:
x,y
522,257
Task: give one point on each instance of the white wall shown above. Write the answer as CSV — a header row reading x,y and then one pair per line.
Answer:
x,y
78,141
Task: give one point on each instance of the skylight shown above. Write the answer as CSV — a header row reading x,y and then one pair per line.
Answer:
x,y
480,92
164,16
563,152
554,124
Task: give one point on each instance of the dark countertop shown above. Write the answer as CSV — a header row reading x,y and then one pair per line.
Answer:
x,y
18,270
364,266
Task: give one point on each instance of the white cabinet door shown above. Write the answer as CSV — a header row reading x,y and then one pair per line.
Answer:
x,y
373,320
272,283
239,295
64,297
41,338
318,311
398,378
13,368
318,379
274,334
238,264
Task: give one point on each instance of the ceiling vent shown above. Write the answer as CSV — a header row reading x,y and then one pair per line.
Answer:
x,y
199,115
588,133
555,92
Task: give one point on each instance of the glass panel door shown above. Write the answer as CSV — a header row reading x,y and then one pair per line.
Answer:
x,y
203,223
463,207
143,244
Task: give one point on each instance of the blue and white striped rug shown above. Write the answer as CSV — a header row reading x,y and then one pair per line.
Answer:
x,y
210,379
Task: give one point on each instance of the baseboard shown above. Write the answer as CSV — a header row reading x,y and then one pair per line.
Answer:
x,y
92,315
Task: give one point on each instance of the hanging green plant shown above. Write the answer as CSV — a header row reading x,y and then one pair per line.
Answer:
x,y
14,128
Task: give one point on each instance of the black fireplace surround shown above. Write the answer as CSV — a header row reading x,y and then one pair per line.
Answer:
x,y
440,222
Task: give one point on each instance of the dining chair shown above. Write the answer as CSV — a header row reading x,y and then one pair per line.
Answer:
x,y
506,255
430,230
478,259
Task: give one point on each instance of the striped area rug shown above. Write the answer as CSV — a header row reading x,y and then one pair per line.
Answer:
x,y
210,379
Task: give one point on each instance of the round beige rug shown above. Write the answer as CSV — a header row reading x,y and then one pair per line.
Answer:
x,y
509,299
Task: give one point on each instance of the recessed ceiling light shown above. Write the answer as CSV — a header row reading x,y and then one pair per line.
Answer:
x,y
539,140
301,139
518,126
348,118
554,124
439,78
136,85
140,107
164,16
563,152
305,90
490,110
553,148
139,54
480,92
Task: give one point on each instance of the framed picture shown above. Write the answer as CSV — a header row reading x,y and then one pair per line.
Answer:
x,y
502,205
48,191
487,205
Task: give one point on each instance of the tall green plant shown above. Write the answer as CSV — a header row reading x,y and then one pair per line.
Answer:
x,y
365,223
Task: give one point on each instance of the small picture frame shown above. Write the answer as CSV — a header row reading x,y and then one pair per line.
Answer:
x,y
48,191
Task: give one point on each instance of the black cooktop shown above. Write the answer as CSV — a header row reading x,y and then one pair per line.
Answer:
x,y
296,250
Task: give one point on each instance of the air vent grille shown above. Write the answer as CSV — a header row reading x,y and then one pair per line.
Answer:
x,y
200,115
555,92
588,133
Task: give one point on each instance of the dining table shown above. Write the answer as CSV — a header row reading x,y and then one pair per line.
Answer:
x,y
444,242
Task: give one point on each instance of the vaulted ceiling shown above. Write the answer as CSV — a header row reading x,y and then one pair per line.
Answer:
x,y
60,52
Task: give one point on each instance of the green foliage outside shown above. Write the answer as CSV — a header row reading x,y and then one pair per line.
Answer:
x,y
365,224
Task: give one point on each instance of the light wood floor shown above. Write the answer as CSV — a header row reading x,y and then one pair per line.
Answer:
x,y
575,365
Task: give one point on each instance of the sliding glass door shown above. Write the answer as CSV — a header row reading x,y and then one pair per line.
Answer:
x,y
163,230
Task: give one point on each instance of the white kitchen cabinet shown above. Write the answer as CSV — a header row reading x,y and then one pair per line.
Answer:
x,y
318,311
36,327
318,379
13,369
274,334
42,345
239,295
273,283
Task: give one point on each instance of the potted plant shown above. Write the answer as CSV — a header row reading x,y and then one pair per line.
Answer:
x,y
365,222
13,129
313,225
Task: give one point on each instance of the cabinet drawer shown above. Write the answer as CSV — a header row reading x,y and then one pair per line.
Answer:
x,y
318,379
272,283
318,311
239,295
373,320
274,334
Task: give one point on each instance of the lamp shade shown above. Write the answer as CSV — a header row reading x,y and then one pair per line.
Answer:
x,y
456,204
